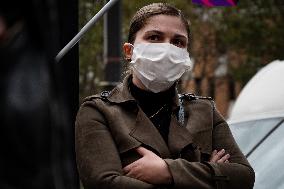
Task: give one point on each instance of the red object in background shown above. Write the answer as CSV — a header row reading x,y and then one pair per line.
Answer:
x,y
212,3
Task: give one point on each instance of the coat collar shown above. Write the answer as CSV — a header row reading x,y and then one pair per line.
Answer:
x,y
179,137
121,94
145,132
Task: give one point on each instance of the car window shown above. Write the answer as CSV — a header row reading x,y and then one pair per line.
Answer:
x,y
267,161
248,134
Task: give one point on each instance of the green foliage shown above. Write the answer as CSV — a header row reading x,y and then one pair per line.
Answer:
x,y
256,28
90,47
245,71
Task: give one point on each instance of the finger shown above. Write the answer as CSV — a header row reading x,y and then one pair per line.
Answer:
x,y
224,158
213,154
143,151
227,161
218,155
131,174
134,173
126,169
221,152
129,167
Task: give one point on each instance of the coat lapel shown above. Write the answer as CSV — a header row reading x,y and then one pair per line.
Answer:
x,y
179,137
200,125
145,132
197,130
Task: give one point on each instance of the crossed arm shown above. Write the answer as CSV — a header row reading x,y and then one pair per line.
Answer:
x,y
152,169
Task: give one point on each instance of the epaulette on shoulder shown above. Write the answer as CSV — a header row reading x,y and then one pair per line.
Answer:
x,y
191,96
103,95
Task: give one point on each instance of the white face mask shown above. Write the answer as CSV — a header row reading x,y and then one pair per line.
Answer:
x,y
159,65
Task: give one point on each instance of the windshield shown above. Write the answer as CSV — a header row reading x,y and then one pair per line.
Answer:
x,y
267,161
248,134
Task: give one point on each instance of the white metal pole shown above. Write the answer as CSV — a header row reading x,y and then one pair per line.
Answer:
x,y
84,30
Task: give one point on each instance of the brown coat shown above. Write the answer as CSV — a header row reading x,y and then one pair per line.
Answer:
x,y
110,127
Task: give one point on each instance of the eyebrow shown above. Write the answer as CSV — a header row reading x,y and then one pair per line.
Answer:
x,y
162,33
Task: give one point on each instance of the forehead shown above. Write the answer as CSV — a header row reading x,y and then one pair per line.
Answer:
x,y
165,23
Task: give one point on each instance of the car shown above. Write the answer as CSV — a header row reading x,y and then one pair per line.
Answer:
x,y
257,124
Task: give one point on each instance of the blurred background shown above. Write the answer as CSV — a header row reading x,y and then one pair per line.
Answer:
x,y
228,46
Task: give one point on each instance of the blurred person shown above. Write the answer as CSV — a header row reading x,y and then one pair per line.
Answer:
x,y
143,134
2,29
29,127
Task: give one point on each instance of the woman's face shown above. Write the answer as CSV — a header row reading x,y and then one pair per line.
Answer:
x,y
160,29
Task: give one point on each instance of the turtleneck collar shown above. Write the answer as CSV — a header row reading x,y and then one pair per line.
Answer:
x,y
122,94
150,101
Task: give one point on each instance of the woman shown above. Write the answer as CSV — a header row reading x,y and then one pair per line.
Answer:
x,y
142,134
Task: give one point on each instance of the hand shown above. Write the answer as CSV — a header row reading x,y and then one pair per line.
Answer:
x,y
150,168
219,157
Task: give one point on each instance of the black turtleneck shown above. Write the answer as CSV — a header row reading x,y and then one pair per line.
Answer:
x,y
157,106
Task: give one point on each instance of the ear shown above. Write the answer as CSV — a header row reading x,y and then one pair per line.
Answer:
x,y
127,49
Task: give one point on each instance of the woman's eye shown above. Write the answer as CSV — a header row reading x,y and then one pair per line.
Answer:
x,y
154,38
178,43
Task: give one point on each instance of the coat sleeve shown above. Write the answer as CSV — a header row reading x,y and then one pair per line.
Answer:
x,y
98,160
206,175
